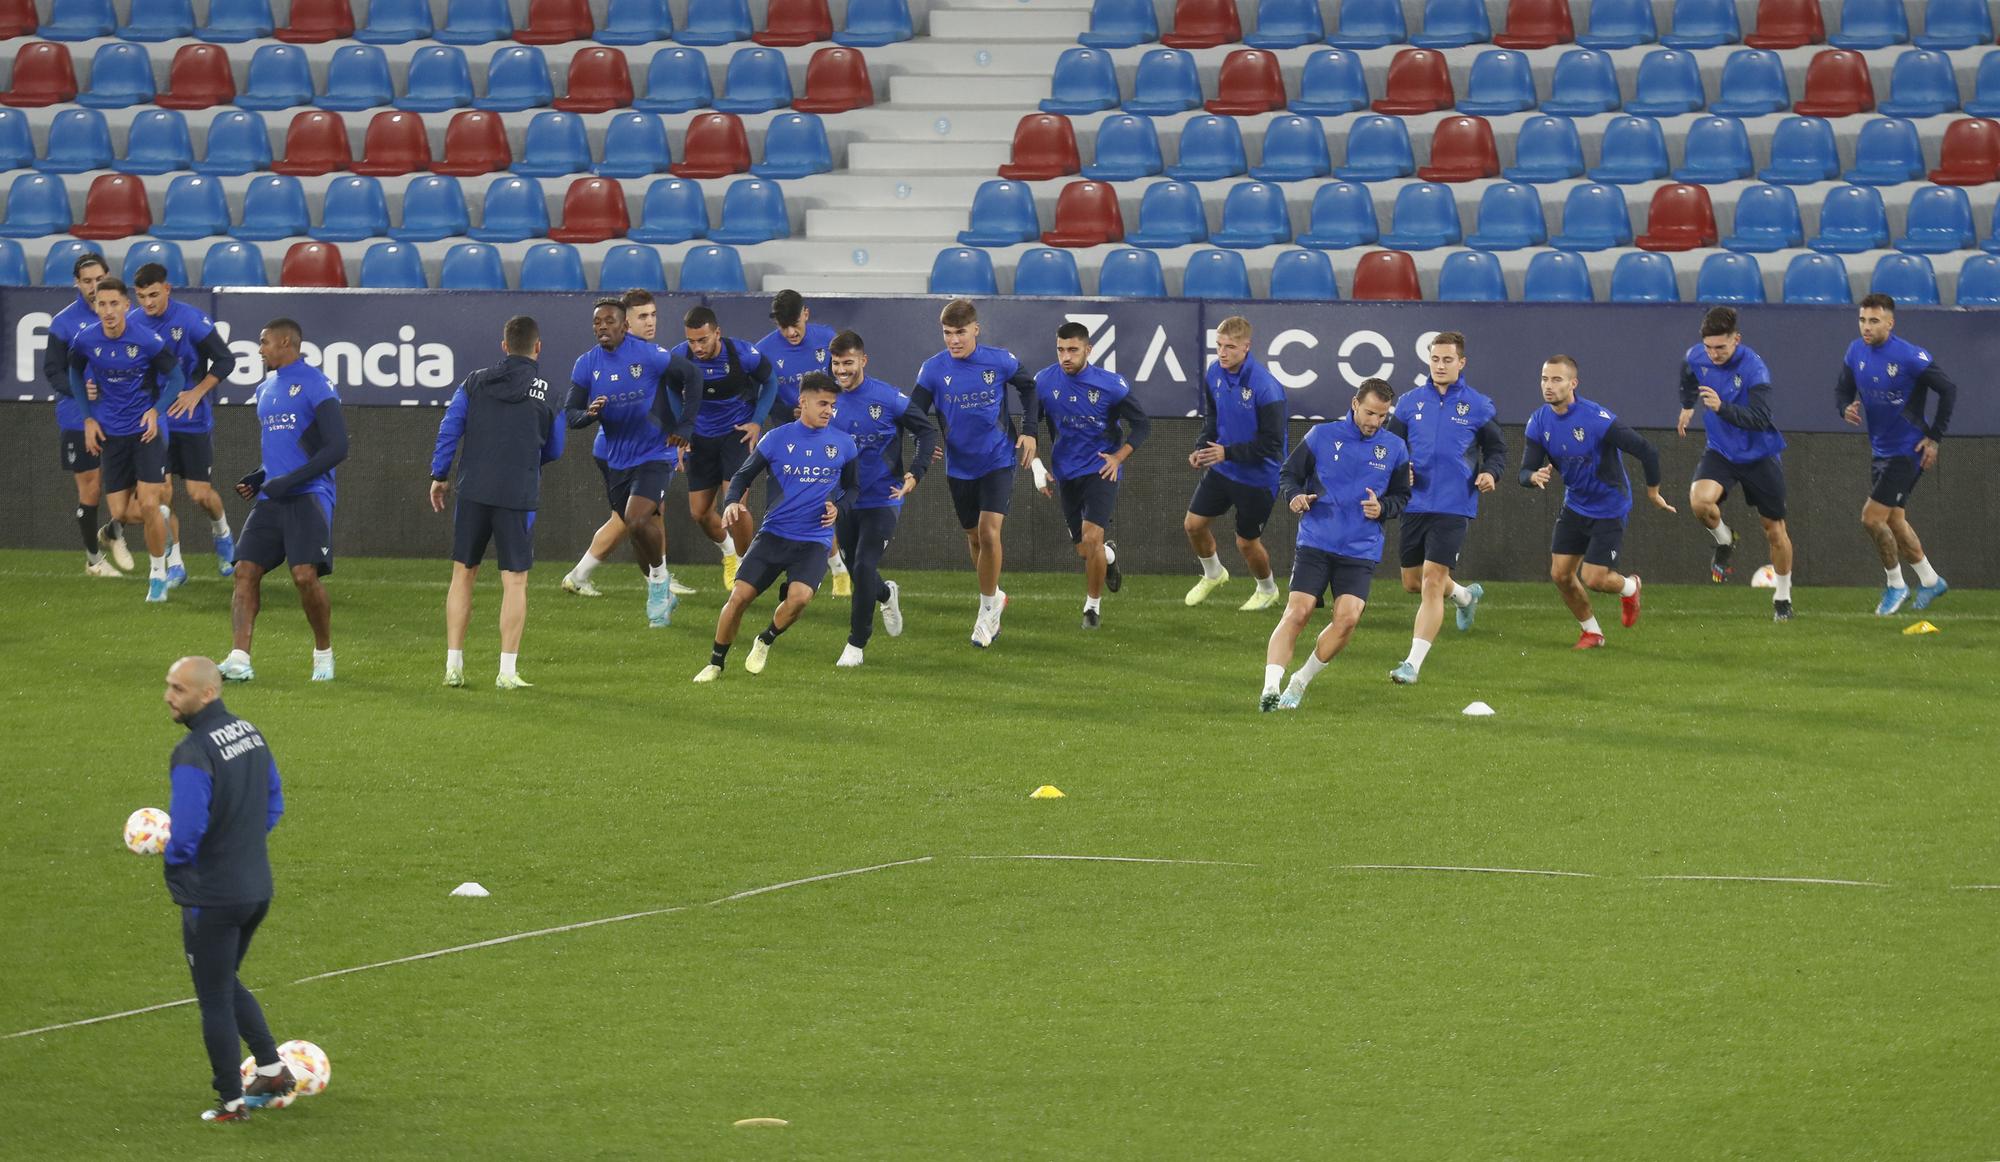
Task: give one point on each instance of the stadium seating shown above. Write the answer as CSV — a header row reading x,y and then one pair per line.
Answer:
x,y
673,211
1044,147
1619,24
194,207
199,78
635,22
1045,270
635,146
1669,82
795,146
18,18
79,141
553,267
1594,217
1330,82
393,266
278,78
1386,276
1462,150
556,22
354,208
1002,214
872,23
753,210
1211,150
1086,215
632,267
1955,24
17,146
157,143
476,22
677,82
1866,24
1131,274
1425,217
1887,152
167,254
836,81
599,81
1547,149
715,22
1303,276
1802,152
1970,155
233,22
517,78
1557,276
395,22
1734,279
1837,85
472,266
1471,276
233,264
1121,24
316,22
1633,149
79,20
238,143
115,207
594,211
1681,217
120,75
1703,24
396,144
756,82
1907,278
1851,221
555,145
1453,24
1536,24
1939,221
1128,147
1787,24
963,271
513,211
433,209
1817,279
1500,83
315,144
312,264
1921,85
791,23
1717,150
1343,217
1216,274
43,75
715,146
1253,214
1767,220
1753,83
1418,82
712,269
1644,278
1294,150
1979,281
1203,24
1083,82
1286,24
1378,148
1986,88
1510,218
57,267
1164,83
1584,82
1248,84
475,142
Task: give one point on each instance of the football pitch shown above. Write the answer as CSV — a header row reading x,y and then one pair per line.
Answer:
x,y
1280,963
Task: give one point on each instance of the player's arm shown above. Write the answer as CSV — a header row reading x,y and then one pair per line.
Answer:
x,y
1267,443
767,388
450,428
76,375
163,378
1397,499
1690,390
918,425
194,787
1492,453
1138,425
274,799
1752,415
1940,384
687,390
1294,476
1534,458
577,412
555,440
1638,447
921,401
1398,428
1209,431
1847,395
1031,400
331,429
55,365
732,499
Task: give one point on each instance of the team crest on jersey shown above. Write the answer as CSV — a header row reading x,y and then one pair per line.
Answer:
x,y
131,350
295,389
874,411
1464,409
1892,371
832,450
178,333
1576,434
988,377
1093,394
819,355
1736,380
1246,395
635,369
1381,453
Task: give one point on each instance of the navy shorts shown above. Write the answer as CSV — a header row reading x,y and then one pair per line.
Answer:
x,y
993,492
511,532
1432,536
1217,494
648,480
128,460
295,531
75,457
1595,539
1763,481
1319,573
191,455
1891,479
713,460
801,562
1087,498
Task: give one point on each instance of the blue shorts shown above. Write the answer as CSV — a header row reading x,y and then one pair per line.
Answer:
x,y
511,532
993,492
801,562
1087,499
191,455
1891,479
1432,536
1319,573
1595,539
296,530
130,460
75,457
1217,494
648,481
712,461
1763,481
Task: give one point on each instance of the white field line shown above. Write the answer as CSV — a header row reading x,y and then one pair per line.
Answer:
x,y
1778,880
1120,859
816,879
95,1020
491,943
1975,887
1504,871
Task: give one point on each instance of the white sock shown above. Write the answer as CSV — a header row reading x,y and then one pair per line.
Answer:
x,y
93,557
726,546
158,568
454,659
1211,568
1460,595
985,604
1895,578
1590,626
1110,555
220,525
1267,584
319,656
1091,604
1274,677
657,574
1308,672
271,1070
174,556
838,566
1722,534
1631,586
1925,574
586,567
1419,648
1784,591
507,664
238,657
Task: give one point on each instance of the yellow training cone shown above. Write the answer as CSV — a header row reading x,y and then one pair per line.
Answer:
x,y
1045,792
1921,627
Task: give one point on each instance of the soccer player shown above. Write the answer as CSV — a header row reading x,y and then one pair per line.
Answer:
x,y
226,798
795,346
1582,440
82,462
875,416
1094,426
1344,479
1241,451
966,385
124,426
1441,421
303,437
1883,382
206,361
736,392
643,398
1723,377
508,424
819,465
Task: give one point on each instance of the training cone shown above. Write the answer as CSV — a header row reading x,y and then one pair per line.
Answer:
x,y
754,1123
470,889
1045,792
1479,710
1920,627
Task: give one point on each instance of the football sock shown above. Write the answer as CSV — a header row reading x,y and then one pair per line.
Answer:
x,y
586,567
174,555
987,602
837,565
1590,626
1895,578
115,530
1308,672
1631,586
219,526
1460,595
507,664
1274,676
454,659
1418,649
271,1070
1722,534
657,574
158,568
1267,584
1211,567
86,525
1925,574
726,546
1110,555
717,655
1091,604
770,633
1784,592
325,655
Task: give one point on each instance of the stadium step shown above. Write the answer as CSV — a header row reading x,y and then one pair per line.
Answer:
x,y
917,157
861,225
847,282
928,92
998,24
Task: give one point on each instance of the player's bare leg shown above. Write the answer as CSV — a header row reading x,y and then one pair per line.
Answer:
x,y
1284,639
1095,569
1201,541
513,621
152,499
1259,563
1779,538
245,600
457,620
796,598
1327,646
727,623
318,607
1705,501
983,541
1930,586
649,548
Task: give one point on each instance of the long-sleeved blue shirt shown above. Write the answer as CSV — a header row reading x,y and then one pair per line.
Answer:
x,y
1089,415
1892,382
131,372
790,362
876,415
649,393
74,316
201,352
227,796
969,396
1583,442
736,387
1339,467
1245,413
1741,430
1441,430
303,436
813,466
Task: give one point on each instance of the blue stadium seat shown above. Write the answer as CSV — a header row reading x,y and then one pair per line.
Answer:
x,y
1669,83
1216,274
1303,276
1471,276
1986,88
1753,82
713,22
1703,24
712,269
160,20
1734,279
1165,83
1286,24
1425,218
1619,24
1500,83
1802,152
59,264
1978,281
17,145
393,266
13,264
753,210
1121,24
1817,279
472,266
963,270
158,143
795,145
635,146
677,82
433,209
475,22
1633,149
195,207
278,77
439,79
1128,147
552,266
1920,85
235,21
79,140
1003,213
78,20
514,211
1992,243
871,23
1254,214
1557,276
1343,216
1331,82
1887,152
120,75
1951,24
355,208
756,82
1907,278
1083,82
1211,149
1866,24
1584,83
1644,277
1546,150
238,143
1717,150
517,78
394,22
1294,150
1852,220
1594,218
1378,149
555,145
167,254
1767,220
1370,24
1131,274
636,22
630,267
1453,24
357,77
233,264
1510,218
274,206
1938,221
1170,214
1046,270
674,211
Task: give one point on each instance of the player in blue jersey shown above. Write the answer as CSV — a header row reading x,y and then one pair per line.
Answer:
x,y
206,361
736,392
1444,421
819,465
795,346
1728,383
303,436
82,463
966,385
1581,440
1884,381
643,398
1343,480
1240,452
1094,426
875,415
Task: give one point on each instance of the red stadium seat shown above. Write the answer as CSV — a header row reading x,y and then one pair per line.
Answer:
x,y
315,143
43,75
1681,218
1044,147
791,23
475,143
1837,85
593,211
556,22
1086,215
1204,24
1418,83
115,207
836,81
318,21
199,79
1536,24
1971,154
313,264
1462,150
599,81
716,146
1787,24
1386,276
18,18
397,144
1249,84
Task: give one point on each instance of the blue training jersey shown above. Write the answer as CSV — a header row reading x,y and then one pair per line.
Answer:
x,y
67,322
1733,381
286,401
1594,483
869,415
791,361
1080,407
122,370
180,327
723,406
1441,430
807,463
970,398
1234,399
630,377
1886,377
1346,467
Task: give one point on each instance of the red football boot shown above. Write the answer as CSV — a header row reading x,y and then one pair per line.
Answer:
x,y
1590,641
1628,607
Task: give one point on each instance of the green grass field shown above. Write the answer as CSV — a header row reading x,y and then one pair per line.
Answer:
x,y
1277,1003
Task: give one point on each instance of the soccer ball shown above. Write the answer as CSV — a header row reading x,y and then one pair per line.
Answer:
x,y
1764,578
147,830
309,1068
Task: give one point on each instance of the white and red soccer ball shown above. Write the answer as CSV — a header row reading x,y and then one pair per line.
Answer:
x,y
309,1066
147,831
